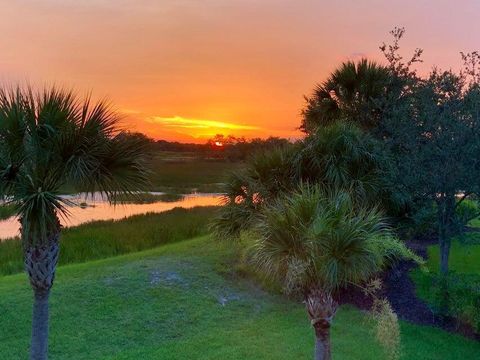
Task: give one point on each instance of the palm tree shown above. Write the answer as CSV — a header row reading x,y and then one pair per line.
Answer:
x,y
265,176
352,92
314,242
339,156
50,139
342,156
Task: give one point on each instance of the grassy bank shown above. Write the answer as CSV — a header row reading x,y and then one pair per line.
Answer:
x,y
101,239
181,301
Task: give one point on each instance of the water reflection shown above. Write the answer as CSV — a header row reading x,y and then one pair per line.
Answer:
x,y
100,209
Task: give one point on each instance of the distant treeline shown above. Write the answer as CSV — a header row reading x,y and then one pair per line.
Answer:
x,y
220,147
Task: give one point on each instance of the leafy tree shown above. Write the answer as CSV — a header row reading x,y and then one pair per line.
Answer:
x,y
314,242
432,128
49,139
350,93
437,145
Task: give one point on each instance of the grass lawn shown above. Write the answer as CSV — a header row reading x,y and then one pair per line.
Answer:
x,y
475,222
180,301
463,284
464,258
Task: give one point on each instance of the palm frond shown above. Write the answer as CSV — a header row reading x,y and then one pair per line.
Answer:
x,y
328,236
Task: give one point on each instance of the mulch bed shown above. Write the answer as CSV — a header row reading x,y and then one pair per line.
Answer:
x,y
399,289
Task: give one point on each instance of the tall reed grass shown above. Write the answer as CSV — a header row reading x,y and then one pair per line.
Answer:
x,y
101,239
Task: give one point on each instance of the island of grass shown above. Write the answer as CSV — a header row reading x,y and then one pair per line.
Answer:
x,y
146,197
6,211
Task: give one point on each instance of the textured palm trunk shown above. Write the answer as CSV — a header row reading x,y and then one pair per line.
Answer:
x,y
322,342
321,309
39,347
40,264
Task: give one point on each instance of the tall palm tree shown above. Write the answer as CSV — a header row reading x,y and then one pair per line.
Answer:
x,y
50,139
351,92
314,242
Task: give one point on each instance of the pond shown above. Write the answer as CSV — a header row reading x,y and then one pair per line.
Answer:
x,y
99,209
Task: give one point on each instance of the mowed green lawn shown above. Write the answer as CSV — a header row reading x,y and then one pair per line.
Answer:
x,y
464,253
182,301
464,280
464,258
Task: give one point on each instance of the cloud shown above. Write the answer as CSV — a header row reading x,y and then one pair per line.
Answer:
x,y
180,122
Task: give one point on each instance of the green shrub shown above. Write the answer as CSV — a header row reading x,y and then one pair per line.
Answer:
x,y
467,211
421,218
462,291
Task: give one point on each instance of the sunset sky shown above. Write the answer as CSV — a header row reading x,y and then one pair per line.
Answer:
x,y
188,69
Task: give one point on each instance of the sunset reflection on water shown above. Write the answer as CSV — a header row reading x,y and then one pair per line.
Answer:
x,y
99,209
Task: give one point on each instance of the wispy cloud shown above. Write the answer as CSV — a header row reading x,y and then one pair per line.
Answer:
x,y
180,122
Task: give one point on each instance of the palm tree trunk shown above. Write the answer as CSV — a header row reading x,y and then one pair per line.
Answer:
x,y
39,347
40,264
321,309
322,342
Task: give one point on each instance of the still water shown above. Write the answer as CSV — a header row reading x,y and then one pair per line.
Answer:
x,y
100,209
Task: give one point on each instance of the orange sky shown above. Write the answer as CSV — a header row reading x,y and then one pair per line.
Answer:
x,y
188,69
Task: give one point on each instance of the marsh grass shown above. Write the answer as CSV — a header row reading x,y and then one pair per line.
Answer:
x,y
101,239
185,175
147,198
6,211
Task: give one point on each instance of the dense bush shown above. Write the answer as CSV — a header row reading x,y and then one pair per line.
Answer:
x,y
467,211
462,295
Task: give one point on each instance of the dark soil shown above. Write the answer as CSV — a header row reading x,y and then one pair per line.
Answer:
x,y
399,289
